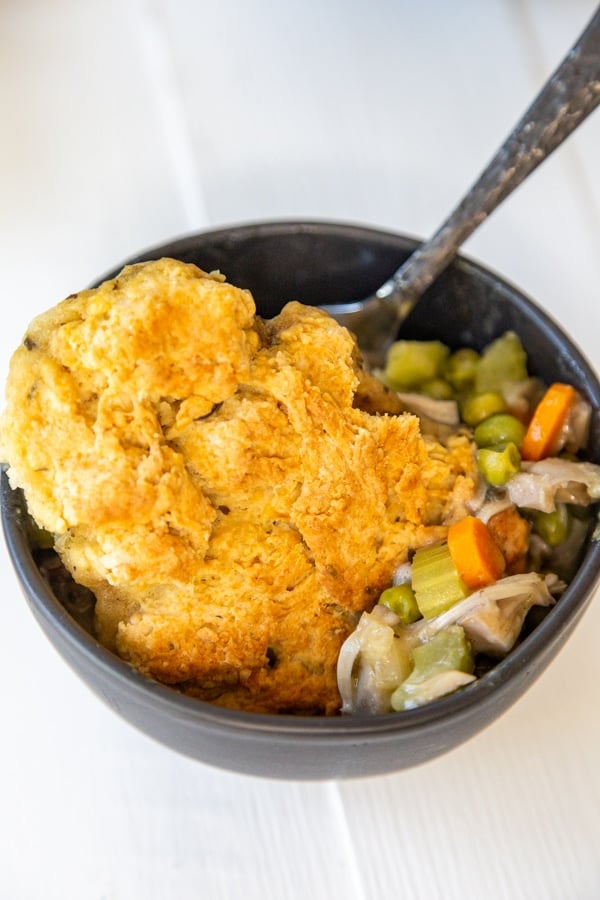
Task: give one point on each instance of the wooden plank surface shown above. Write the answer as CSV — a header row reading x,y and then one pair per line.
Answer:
x,y
125,123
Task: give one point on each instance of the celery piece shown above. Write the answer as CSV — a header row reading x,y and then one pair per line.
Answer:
x,y
448,653
410,363
461,368
435,580
401,600
503,360
499,430
479,407
499,465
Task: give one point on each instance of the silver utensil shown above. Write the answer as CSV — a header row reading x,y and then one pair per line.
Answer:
x,y
566,99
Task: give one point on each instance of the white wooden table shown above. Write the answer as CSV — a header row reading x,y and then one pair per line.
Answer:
x,y
126,122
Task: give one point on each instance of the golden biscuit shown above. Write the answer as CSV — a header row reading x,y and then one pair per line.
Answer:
x,y
209,477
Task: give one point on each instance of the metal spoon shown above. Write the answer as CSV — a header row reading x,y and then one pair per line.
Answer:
x,y
567,98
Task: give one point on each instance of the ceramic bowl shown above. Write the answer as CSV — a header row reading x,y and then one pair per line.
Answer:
x,y
319,262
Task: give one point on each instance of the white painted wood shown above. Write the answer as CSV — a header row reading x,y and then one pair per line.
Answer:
x,y
126,123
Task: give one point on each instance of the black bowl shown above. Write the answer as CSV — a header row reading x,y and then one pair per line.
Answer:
x,y
320,262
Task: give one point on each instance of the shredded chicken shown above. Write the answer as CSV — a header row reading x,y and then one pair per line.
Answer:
x,y
541,485
493,616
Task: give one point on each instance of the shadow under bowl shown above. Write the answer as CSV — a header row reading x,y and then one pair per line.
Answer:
x,y
318,262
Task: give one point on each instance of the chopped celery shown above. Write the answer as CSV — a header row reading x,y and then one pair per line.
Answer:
x,y
401,600
447,653
448,649
503,360
479,407
410,363
499,465
499,430
435,580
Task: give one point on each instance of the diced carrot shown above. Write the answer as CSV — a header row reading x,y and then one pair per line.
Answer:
x,y
547,422
474,552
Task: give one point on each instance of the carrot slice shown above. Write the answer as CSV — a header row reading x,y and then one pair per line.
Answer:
x,y
547,422
474,552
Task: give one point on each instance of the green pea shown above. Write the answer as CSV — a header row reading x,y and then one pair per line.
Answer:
x,y
478,407
401,600
499,430
553,527
437,389
461,368
499,466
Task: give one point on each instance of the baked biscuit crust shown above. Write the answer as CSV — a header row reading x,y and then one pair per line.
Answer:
x,y
210,477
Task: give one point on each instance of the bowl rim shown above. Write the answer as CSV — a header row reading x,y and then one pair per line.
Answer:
x,y
538,645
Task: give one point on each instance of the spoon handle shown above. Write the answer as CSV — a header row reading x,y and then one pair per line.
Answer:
x,y
570,95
